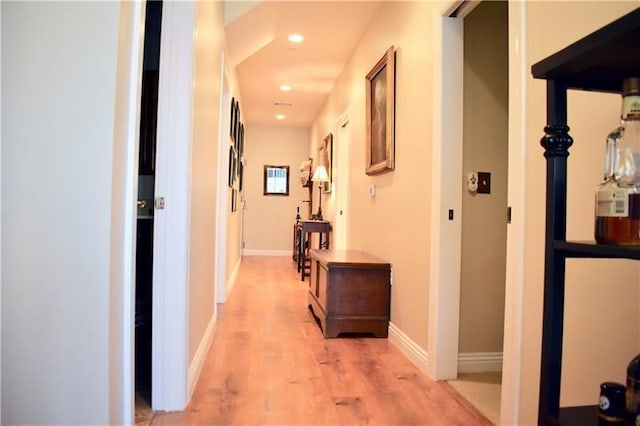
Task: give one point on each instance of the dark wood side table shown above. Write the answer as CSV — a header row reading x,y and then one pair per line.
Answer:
x,y
350,292
304,230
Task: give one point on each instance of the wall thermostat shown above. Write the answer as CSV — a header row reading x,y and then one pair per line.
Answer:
x,y
472,182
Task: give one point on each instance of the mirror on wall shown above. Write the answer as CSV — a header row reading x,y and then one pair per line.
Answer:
x,y
276,180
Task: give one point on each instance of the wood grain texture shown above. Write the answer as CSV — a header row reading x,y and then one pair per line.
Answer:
x,y
270,365
347,257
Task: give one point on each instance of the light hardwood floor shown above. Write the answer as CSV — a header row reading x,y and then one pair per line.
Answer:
x,y
270,365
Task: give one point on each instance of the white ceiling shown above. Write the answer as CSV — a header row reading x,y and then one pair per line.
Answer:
x,y
264,59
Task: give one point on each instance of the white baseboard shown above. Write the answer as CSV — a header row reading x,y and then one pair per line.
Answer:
x,y
254,252
472,362
409,348
198,360
479,362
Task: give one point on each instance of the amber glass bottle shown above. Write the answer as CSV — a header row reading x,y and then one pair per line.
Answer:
x,y
617,213
633,388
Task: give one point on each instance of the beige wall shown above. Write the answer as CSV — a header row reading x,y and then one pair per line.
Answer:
x,y
393,225
234,219
269,219
484,218
209,45
601,323
600,314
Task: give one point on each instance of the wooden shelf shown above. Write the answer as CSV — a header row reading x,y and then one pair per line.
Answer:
x,y
599,61
590,249
579,416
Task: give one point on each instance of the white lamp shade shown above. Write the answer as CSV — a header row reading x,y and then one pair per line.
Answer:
x,y
320,175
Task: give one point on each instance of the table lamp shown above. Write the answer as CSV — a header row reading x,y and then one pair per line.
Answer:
x,y
321,176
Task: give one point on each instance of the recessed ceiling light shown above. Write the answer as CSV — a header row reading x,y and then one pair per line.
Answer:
x,y
280,117
296,38
285,88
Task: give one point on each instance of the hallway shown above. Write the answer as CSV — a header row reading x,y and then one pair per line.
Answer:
x,y
269,364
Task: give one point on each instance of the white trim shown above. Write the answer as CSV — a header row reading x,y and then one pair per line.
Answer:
x,y
446,187
417,355
518,75
258,252
201,354
479,362
222,190
342,159
465,8
171,225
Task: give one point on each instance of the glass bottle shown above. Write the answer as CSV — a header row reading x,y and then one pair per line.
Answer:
x,y
633,387
617,213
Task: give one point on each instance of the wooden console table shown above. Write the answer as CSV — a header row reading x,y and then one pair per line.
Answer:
x,y
302,241
349,292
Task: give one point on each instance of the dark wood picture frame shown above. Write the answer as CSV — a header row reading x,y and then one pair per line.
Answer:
x,y
380,102
233,120
234,200
266,179
232,166
241,140
325,157
236,131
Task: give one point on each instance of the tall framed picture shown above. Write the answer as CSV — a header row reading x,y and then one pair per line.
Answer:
x,y
325,158
380,101
234,200
232,166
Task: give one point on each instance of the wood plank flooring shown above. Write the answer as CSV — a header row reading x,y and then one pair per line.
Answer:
x,y
270,365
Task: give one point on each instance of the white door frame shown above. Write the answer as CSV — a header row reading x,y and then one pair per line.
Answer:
x,y
171,224
446,187
444,292
512,354
221,190
125,195
343,157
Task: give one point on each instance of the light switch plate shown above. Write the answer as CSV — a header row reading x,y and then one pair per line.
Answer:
x,y
484,183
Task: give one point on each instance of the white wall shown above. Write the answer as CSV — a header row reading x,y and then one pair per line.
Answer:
x,y
58,114
269,219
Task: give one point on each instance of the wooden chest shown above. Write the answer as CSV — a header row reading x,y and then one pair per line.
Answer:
x,y
349,292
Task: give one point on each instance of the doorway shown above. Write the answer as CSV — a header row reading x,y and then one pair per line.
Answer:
x,y
447,183
143,323
484,205
342,159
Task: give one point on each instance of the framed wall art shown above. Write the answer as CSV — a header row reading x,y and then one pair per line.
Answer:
x,y
325,157
232,166
380,104
232,121
276,180
234,200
